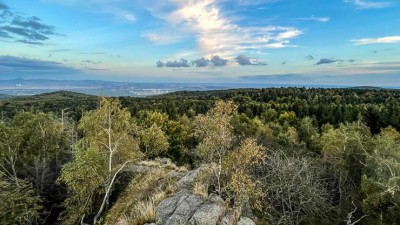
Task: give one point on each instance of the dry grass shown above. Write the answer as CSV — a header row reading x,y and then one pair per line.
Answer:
x,y
202,183
200,189
143,212
136,205
124,220
182,169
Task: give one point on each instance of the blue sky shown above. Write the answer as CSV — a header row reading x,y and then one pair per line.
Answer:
x,y
337,42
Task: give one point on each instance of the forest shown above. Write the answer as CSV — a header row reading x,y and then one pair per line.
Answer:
x,y
280,156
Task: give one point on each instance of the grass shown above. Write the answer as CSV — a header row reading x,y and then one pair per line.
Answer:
x,y
136,205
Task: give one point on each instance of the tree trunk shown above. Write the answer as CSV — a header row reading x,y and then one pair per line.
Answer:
x,y
107,195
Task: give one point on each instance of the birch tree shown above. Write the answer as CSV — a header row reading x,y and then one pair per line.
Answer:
x,y
215,134
109,134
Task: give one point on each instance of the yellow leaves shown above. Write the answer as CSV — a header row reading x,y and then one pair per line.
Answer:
x,y
233,167
238,166
217,118
214,130
160,119
287,117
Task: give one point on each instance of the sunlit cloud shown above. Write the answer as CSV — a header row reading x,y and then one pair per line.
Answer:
x,y
382,40
217,34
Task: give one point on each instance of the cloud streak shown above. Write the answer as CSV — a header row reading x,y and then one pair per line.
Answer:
x,y
330,61
382,40
18,65
317,19
364,4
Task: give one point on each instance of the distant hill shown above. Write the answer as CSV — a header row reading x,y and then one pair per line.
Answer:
x,y
368,88
67,94
74,104
51,96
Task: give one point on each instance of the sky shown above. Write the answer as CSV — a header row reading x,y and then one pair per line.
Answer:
x,y
299,42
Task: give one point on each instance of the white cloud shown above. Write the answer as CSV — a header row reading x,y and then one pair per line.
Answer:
x,y
364,4
367,41
217,34
318,19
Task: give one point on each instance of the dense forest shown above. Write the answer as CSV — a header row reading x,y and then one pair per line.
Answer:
x,y
293,156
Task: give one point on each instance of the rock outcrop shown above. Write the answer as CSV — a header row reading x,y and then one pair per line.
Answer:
x,y
160,193
186,208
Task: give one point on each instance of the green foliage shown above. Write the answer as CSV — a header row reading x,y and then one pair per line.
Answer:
x,y
107,147
111,129
181,139
381,181
19,204
83,177
154,140
334,151
33,148
345,150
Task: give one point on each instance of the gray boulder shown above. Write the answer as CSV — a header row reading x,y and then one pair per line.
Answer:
x,y
178,209
189,178
245,221
184,210
207,214
167,207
